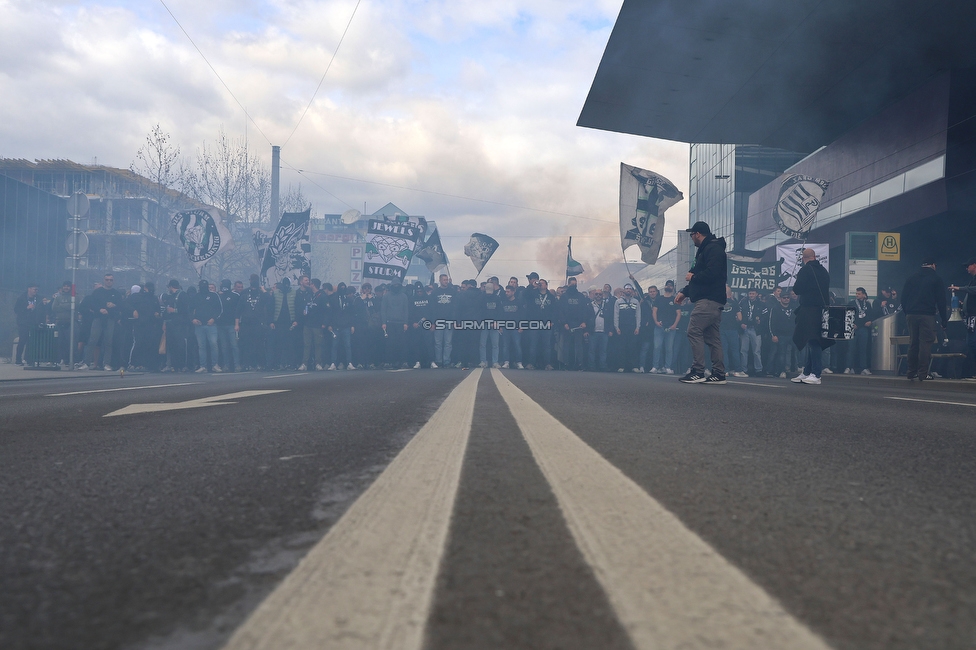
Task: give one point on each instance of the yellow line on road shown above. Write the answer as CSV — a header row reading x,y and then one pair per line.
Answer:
x,y
370,581
669,588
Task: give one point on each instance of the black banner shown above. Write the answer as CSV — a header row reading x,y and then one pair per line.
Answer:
x,y
761,276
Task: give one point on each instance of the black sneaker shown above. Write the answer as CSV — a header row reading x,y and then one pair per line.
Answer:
x,y
693,378
716,380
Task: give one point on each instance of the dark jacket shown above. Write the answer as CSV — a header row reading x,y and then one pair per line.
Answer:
x,y
101,297
542,307
205,306
710,272
781,324
395,307
444,303
30,317
180,303
254,307
419,307
813,287
925,294
230,304
574,308
491,308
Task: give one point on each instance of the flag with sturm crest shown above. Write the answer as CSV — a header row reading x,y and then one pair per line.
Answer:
x,y
203,234
644,198
480,248
287,254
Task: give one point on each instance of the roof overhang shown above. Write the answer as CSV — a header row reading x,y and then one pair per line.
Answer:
x,y
793,74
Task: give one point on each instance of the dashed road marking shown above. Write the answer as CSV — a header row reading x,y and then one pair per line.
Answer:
x,y
930,401
736,382
370,581
669,588
292,374
113,390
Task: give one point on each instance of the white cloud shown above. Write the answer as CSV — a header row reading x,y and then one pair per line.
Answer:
x,y
457,97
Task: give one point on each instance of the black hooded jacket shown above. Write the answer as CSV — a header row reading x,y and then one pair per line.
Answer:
x,y
710,272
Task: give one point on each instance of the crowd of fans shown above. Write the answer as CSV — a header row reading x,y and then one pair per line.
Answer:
x,y
322,326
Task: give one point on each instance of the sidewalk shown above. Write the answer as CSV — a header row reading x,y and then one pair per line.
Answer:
x,y
13,372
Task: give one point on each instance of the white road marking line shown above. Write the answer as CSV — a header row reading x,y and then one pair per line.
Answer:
x,y
298,456
294,374
370,581
669,588
930,401
213,400
113,390
736,382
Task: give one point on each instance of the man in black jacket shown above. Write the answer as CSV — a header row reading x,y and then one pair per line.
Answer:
x,y
106,306
574,311
811,286
706,288
31,312
176,321
924,294
969,305
205,309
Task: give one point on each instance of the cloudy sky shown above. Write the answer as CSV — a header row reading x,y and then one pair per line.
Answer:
x,y
462,111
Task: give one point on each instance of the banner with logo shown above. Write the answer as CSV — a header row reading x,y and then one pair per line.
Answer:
x,y
432,252
791,255
390,246
260,239
799,199
203,234
480,248
644,198
287,253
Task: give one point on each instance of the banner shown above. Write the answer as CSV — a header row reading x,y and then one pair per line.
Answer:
x,y
260,239
761,276
480,248
644,198
203,234
791,255
572,266
799,200
288,250
432,252
390,245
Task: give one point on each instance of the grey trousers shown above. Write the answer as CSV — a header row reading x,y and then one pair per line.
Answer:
x,y
704,328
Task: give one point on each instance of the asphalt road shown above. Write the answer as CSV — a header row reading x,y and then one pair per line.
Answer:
x,y
848,505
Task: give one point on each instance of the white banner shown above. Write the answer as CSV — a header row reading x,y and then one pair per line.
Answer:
x,y
792,257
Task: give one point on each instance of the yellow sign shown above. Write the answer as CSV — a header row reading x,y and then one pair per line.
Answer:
x,y
889,246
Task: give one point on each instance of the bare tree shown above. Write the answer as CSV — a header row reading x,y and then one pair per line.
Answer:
x,y
164,173
230,177
294,200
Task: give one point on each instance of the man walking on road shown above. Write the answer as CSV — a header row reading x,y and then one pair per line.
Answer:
x,y
812,286
923,295
706,288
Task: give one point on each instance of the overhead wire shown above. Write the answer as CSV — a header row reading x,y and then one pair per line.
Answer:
x,y
334,53
214,70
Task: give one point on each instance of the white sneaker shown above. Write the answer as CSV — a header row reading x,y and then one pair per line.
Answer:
x,y
519,366
828,371
868,372
495,365
932,374
799,378
505,365
782,375
302,368
217,368
811,379
739,373
350,367
107,368
669,371
637,370
201,369
652,371
848,371
332,366
482,365
83,366
318,366
416,366
433,365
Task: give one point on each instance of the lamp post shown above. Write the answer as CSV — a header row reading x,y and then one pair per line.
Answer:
x,y
76,246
